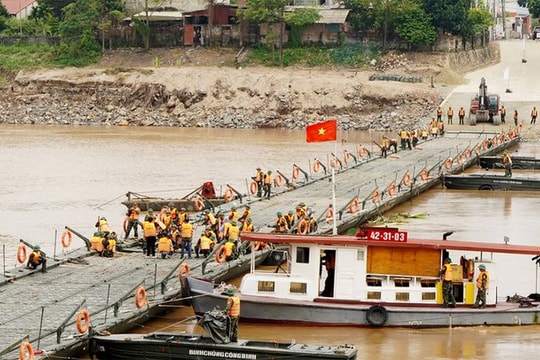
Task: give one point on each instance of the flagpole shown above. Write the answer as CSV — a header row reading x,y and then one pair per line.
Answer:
x,y
334,226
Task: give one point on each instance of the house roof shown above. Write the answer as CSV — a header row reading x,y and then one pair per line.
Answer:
x,y
13,7
160,15
332,16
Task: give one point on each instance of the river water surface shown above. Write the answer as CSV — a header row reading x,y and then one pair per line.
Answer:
x,y
57,176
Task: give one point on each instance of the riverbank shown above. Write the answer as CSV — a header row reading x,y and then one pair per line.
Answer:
x,y
195,88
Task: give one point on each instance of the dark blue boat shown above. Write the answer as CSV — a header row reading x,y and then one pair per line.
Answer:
x,y
490,182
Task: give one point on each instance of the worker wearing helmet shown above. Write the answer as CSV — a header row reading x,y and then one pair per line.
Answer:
x,y
267,184
507,163
482,284
37,257
280,226
448,288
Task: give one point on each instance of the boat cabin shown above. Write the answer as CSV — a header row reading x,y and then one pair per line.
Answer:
x,y
380,266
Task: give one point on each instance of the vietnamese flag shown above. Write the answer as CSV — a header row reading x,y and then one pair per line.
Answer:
x,y
323,131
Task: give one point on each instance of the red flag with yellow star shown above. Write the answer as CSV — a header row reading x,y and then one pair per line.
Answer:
x,y
323,131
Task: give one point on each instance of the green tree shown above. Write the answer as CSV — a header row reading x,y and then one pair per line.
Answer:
x,y
57,6
298,19
266,12
534,8
449,16
78,33
414,26
361,17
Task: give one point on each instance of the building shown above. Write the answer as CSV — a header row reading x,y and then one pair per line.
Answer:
x,y
20,9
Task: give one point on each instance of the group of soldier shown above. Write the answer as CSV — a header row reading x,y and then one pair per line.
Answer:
x,y
302,221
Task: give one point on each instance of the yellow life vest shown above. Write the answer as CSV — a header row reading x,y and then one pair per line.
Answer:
x,y
210,219
149,229
229,246
186,231
479,280
205,242
103,226
233,232
36,256
233,216
96,243
234,303
247,227
164,245
447,276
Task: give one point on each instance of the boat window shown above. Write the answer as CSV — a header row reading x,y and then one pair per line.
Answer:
x,y
374,280
402,296
401,282
266,286
374,295
428,296
360,255
428,282
302,255
298,288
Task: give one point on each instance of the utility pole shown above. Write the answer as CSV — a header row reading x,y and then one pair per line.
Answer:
x,y
503,11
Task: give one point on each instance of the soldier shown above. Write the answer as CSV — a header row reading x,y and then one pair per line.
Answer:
x,y
450,115
461,115
482,284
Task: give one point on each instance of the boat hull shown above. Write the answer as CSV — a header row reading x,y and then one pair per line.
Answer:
x,y
158,204
323,312
193,346
518,162
490,182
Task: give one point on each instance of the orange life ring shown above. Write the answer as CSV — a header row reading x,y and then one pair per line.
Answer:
x,y
124,224
199,203
459,159
278,181
66,239
424,175
253,187
495,140
406,179
502,137
376,197
485,144
467,153
346,157
183,271
25,348
470,269
258,245
448,163
140,297
477,149
329,216
392,189
362,151
295,172
316,166
353,206
221,254
303,227
334,163
228,194
21,254
83,321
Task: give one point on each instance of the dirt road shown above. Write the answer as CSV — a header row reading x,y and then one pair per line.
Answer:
x,y
520,80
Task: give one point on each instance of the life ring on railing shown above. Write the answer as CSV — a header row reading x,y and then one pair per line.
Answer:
x,y
362,151
329,216
228,196
316,166
199,203
346,157
353,206
67,237
258,245
392,189
253,187
470,269
334,163
424,175
495,140
140,297
448,163
221,254
376,315
502,137
278,181
295,172
25,348
477,149
83,321
303,227
125,223
21,254
406,179
459,159
376,197
485,144
467,153
183,271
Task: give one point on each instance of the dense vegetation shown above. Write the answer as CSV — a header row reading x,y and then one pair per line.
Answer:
x,y
82,26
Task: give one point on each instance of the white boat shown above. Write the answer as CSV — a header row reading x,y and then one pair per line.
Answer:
x,y
382,278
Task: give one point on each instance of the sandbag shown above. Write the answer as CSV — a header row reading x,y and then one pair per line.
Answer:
x,y
218,325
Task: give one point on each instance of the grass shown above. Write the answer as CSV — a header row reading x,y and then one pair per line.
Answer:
x,y
14,58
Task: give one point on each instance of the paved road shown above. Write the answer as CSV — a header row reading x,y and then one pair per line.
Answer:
x,y
522,82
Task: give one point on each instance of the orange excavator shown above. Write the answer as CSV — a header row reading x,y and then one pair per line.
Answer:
x,y
484,107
